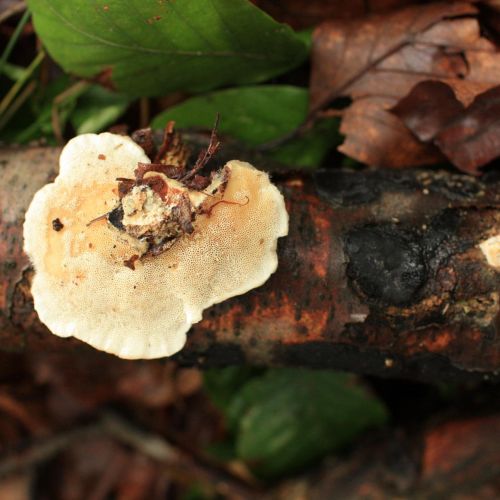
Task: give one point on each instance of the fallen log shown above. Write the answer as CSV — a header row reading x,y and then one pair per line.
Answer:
x,y
456,458
382,273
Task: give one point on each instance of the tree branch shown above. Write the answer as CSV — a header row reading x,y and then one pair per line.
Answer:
x,y
381,273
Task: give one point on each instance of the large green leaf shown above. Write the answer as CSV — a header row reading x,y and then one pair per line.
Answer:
x,y
256,115
152,47
222,383
287,418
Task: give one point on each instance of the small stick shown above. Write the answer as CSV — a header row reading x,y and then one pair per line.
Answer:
x,y
168,136
206,154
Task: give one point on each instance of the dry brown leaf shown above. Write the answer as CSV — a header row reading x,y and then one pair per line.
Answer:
x,y
379,59
372,136
149,385
18,487
461,452
142,479
188,381
302,14
89,469
469,137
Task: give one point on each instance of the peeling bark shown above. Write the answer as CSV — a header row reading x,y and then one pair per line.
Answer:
x,y
381,274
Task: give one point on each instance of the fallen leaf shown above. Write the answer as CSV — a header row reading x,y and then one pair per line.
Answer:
x,y
18,487
372,136
149,385
141,479
188,381
429,107
378,59
300,14
90,468
460,453
469,137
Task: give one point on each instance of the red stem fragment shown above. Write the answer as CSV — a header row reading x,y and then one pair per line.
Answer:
x,y
206,154
209,211
168,136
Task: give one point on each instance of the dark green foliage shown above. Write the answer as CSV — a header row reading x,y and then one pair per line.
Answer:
x,y
256,115
153,48
286,418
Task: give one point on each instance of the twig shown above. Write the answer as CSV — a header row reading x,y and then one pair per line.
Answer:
x,y
205,154
144,112
150,445
300,131
118,462
159,449
17,411
74,91
168,137
44,449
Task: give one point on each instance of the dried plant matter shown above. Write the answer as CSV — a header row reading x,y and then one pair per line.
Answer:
x,y
113,277
302,14
469,137
378,59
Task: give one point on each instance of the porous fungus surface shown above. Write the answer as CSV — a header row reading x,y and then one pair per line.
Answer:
x,y
81,286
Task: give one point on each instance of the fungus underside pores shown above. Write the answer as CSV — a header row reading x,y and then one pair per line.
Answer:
x,y
130,246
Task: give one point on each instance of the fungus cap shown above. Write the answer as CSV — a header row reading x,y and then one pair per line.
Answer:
x,y
81,286
491,250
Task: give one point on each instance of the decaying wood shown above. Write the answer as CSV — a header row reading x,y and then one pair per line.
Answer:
x,y
453,459
381,273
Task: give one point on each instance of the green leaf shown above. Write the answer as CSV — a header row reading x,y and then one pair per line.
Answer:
x,y
34,120
197,492
287,418
89,109
222,383
256,115
146,48
14,72
97,108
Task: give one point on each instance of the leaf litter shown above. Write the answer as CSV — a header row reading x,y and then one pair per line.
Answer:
x,y
468,136
377,60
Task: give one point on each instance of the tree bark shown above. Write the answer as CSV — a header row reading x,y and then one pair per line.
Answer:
x,y
456,458
381,274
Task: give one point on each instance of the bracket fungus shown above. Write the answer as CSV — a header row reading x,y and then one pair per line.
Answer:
x,y
128,251
491,250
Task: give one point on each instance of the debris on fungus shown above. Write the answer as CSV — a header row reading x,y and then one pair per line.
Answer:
x,y
148,244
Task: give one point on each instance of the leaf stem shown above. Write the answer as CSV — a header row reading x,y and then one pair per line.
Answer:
x,y
13,39
6,101
17,103
64,97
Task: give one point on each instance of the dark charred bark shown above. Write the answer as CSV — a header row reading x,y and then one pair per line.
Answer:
x,y
381,273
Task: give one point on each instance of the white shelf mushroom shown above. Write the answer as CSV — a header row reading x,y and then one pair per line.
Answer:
x,y
491,250
134,286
